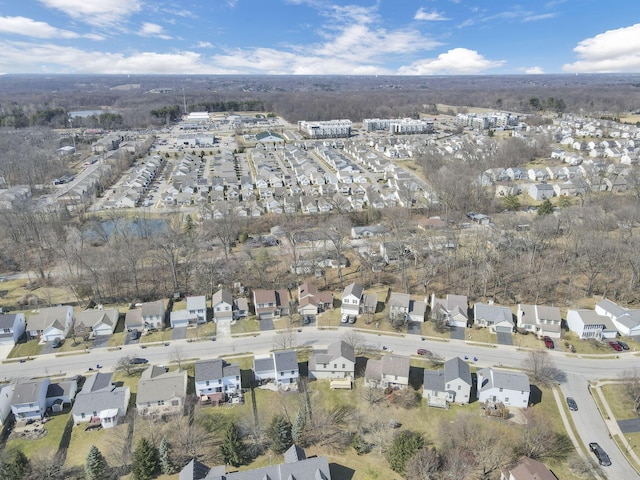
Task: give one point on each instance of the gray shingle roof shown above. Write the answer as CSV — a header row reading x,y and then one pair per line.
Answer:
x,y
164,386
433,380
396,365
285,360
7,321
353,289
516,381
457,368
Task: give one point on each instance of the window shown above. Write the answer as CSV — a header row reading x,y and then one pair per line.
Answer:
x,y
175,403
160,402
335,365
459,387
82,415
344,366
207,383
501,389
293,372
506,399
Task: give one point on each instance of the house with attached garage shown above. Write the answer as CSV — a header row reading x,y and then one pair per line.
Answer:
x,y
153,314
402,307
29,400
182,318
494,317
222,305
311,302
542,320
589,324
216,381
450,384
355,301
626,321
50,323
527,469
453,307
338,361
270,304
510,388
96,322
197,305
540,191
101,401
391,371
161,392
12,327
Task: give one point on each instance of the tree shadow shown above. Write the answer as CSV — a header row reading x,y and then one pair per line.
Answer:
x,y
535,395
340,472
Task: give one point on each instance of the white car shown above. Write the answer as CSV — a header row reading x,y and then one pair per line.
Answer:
x,y
345,318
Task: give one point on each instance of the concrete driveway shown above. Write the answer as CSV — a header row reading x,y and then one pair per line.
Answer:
x,y
414,328
504,338
5,350
267,324
101,341
456,333
179,333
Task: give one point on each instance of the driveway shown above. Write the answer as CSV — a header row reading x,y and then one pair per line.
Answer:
x,y
414,328
456,333
5,350
631,425
101,341
48,348
267,324
179,333
504,338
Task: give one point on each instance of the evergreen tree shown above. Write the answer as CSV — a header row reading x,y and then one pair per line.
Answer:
x,y
280,434
297,429
166,464
13,466
145,461
232,447
545,208
404,446
95,466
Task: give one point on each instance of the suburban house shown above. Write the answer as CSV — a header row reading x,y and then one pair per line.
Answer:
x,y
263,369
153,314
510,388
627,321
50,323
29,401
391,371
270,304
453,307
161,392
12,327
355,301
527,469
589,324
6,394
133,320
61,393
197,305
498,319
542,320
182,318
368,231
226,308
216,381
101,401
96,322
402,307
339,361
296,466
286,369
450,384
311,302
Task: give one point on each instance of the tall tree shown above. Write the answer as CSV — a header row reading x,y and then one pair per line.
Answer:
x,y
298,427
166,463
145,461
404,446
280,434
95,465
232,447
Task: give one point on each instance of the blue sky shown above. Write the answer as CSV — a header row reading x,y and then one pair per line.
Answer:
x,y
318,37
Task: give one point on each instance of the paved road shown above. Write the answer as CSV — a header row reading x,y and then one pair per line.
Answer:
x,y
579,371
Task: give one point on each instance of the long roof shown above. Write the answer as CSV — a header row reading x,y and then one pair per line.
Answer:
x,y
493,378
215,369
163,386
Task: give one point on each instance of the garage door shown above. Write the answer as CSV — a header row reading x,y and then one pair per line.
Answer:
x,y
504,330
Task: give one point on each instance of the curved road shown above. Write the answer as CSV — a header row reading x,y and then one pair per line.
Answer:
x,y
579,371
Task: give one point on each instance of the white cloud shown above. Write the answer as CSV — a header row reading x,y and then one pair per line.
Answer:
x,y
434,16
96,12
611,51
153,30
204,45
533,70
35,29
458,61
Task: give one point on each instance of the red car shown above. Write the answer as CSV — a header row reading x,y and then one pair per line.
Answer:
x,y
422,351
616,346
548,342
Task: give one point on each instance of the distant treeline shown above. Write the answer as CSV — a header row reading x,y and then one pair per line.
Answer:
x,y
231,106
57,117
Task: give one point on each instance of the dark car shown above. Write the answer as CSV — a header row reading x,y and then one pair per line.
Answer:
x,y
57,342
352,319
623,345
573,406
616,346
134,334
139,361
600,454
548,342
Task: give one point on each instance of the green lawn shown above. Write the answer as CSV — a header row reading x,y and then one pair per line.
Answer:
x,y
27,349
82,441
245,325
48,443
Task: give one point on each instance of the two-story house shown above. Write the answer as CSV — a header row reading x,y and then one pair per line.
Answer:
x,y
510,388
542,320
311,302
222,305
101,401
153,314
626,321
338,361
29,401
392,371
270,304
453,307
451,384
12,327
197,305
355,301
588,324
286,368
161,392
216,381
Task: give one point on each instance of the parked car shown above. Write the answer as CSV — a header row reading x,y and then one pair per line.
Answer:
x,y
600,454
138,361
345,318
571,403
352,319
57,342
423,351
616,346
623,345
134,334
548,342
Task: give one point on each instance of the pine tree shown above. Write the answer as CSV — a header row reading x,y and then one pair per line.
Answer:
x,y
280,434
297,429
95,466
13,468
232,447
166,465
145,461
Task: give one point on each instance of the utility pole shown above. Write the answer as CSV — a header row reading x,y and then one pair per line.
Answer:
x,y
184,101
73,134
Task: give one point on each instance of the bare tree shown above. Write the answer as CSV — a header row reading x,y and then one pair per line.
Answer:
x,y
372,395
540,441
178,356
542,367
631,382
125,364
337,232
285,339
424,465
355,339
225,229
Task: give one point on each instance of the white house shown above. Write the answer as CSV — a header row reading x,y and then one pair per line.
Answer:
x,y
216,380
451,384
29,400
392,371
338,362
50,323
161,392
12,327
222,305
197,305
510,388
96,322
153,314
101,400
454,307
6,394
496,318
182,318
352,297
286,369
542,320
626,321
589,324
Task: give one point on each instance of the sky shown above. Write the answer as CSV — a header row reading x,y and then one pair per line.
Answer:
x,y
318,37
